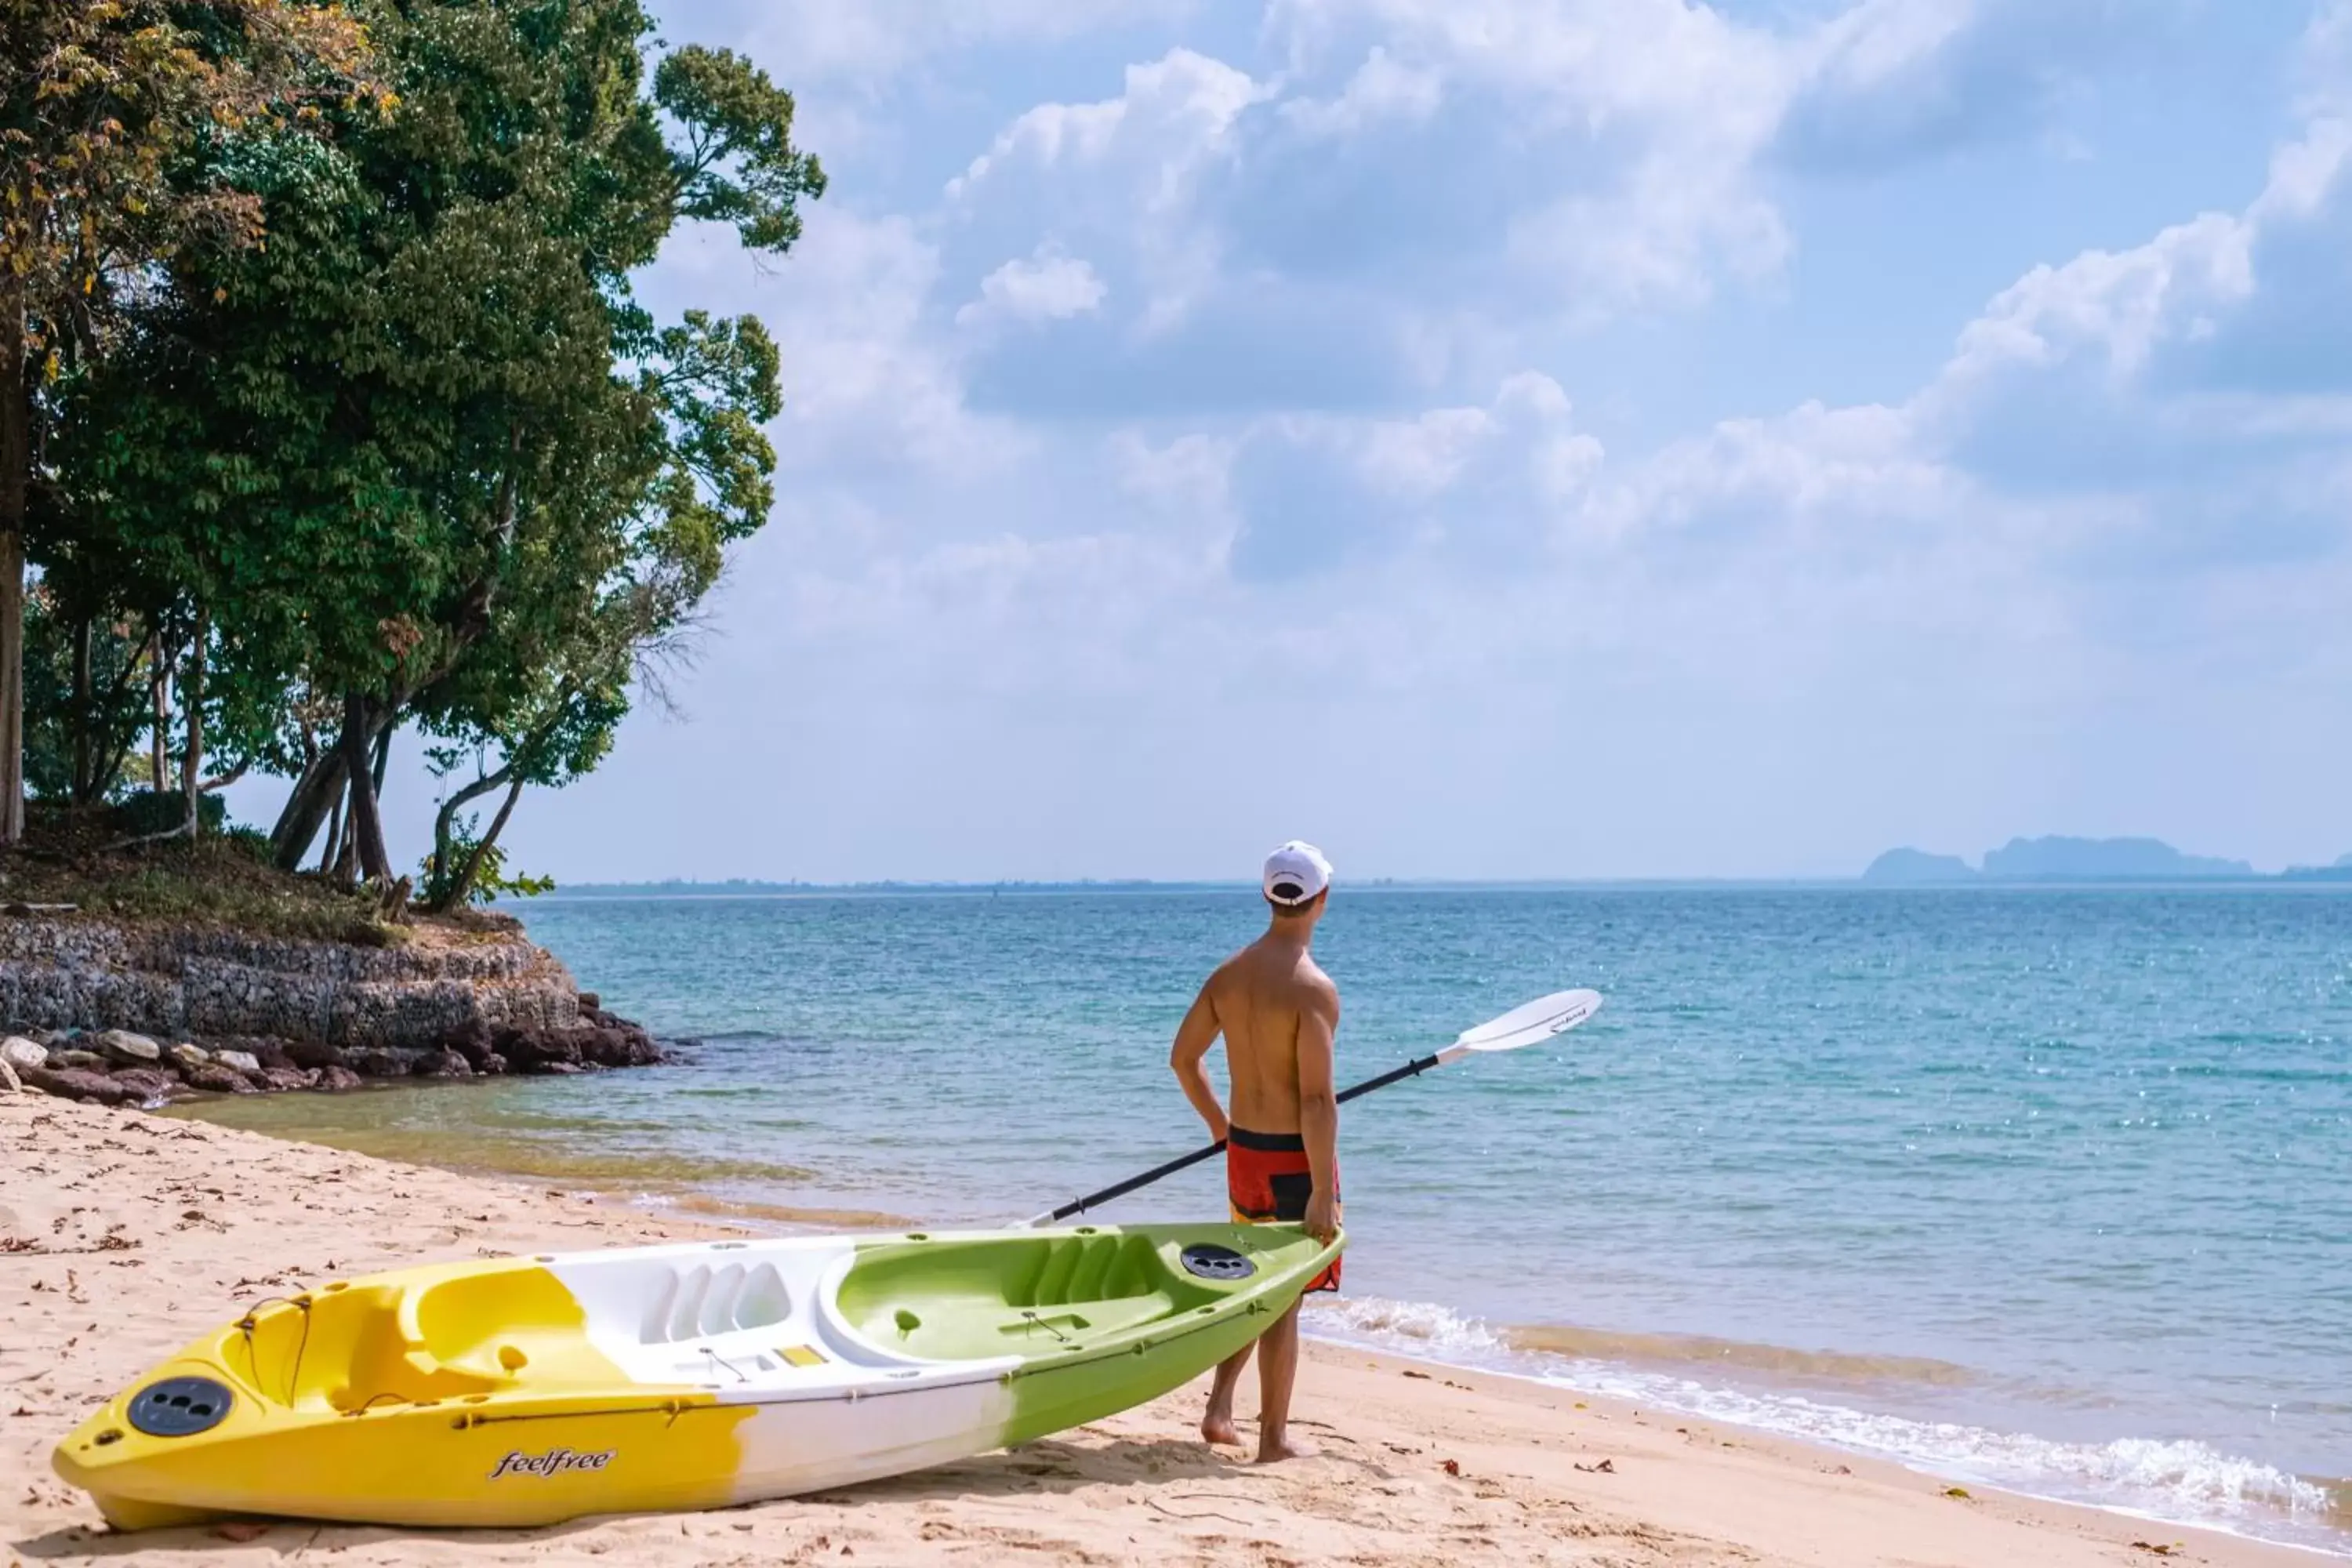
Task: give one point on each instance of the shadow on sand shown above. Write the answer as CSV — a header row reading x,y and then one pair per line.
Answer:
x,y
1049,1466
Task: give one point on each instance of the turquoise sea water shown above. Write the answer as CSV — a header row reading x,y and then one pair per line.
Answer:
x,y
2044,1188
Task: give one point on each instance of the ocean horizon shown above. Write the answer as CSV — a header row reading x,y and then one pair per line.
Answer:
x,y
2028,1186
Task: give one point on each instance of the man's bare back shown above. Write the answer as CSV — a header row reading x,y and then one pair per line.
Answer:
x,y
1278,1014
1261,996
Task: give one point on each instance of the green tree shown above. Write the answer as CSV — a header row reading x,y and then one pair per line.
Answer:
x,y
107,111
411,454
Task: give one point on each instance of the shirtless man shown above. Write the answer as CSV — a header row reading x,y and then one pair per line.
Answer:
x,y
1278,1014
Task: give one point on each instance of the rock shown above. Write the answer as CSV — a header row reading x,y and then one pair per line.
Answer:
x,y
77,1061
491,1065
543,1052
382,1063
78,1083
553,1068
186,1057
606,1047
315,1054
442,1064
334,1075
147,1083
272,1053
21,1053
472,1040
9,1082
238,1061
590,1002
285,1078
215,1079
122,1049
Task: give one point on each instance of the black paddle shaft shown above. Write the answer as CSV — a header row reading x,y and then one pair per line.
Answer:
x,y
1080,1205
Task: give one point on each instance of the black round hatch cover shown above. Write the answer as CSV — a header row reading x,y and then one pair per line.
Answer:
x,y
1211,1261
179,1407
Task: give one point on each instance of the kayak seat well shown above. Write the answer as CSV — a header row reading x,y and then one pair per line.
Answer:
x,y
697,1301
980,1301
463,1333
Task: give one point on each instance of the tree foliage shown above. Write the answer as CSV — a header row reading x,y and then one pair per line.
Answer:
x,y
111,115
422,457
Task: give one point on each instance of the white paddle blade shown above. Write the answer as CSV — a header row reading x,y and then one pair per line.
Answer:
x,y
1525,1026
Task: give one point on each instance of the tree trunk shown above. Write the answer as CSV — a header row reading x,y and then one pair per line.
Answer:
x,y
316,792
366,829
114,747
191,760
473,867
332,854
158,686
16,479
446,893
83,718
382,756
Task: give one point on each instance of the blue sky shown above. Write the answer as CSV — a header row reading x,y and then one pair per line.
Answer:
x,y
1526,439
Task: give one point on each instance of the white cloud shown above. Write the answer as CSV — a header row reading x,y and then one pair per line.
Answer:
x,y
1175,111
1045,287
1630,141
1381,89
2121,303
2127,305
824,41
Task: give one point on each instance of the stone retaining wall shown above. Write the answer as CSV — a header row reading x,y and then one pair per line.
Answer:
x,y
87,974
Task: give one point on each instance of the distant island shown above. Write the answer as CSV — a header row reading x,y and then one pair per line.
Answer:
x,y
2061,859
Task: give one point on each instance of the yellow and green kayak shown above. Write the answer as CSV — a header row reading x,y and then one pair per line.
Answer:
x,y
525,1391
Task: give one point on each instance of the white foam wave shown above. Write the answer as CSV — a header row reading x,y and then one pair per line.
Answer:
x,y
1427,1329
2181,1481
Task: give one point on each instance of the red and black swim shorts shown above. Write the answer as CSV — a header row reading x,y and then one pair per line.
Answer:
x,y
1268,1180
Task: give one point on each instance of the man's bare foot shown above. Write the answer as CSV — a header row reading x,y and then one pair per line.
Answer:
x,y
1276,1447
1217,1426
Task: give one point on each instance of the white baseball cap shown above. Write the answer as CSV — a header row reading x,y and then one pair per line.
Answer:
x,y
1295,873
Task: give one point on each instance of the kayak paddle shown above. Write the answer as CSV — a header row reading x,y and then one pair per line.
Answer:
x,y
1524,1025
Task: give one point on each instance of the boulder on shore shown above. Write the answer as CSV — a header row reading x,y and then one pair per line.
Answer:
x,y
149,1084
473,1040
380,1062
186,1057
334,1076
79,1083
545,1050
76,1060
215,1079
21,1053
443,1063
121,1047
9,1082
316,1054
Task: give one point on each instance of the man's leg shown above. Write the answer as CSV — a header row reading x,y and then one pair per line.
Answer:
x,y
1217,1426
1278,1369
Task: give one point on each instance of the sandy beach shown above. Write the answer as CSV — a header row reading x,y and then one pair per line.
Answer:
x,y
124,1235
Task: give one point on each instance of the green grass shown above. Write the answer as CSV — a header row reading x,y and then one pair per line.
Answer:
x,y
223,882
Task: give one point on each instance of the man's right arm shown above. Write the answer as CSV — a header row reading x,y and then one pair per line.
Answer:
x,y
1318,1107
1190,1060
